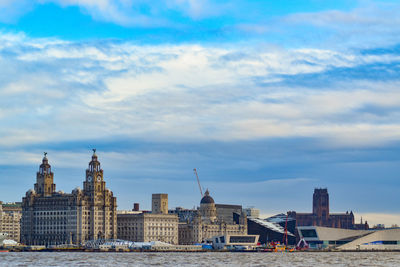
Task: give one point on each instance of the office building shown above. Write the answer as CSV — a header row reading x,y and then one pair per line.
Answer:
x,y
51,217
10,220
140,226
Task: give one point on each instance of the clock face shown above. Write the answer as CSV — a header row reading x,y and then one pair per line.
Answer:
x,y
98,178
90,178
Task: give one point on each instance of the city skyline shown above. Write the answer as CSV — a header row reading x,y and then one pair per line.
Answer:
x,y
266,100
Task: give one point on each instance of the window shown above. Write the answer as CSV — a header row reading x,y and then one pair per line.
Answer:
x,y
390,242
309,233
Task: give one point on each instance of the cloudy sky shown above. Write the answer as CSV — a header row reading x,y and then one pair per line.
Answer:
x,y
267,99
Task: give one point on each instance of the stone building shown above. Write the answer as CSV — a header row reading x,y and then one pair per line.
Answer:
x,y
146,227
159,203
225,212
184,215
10,220
252,212
139,226
52,218
321,215
207,223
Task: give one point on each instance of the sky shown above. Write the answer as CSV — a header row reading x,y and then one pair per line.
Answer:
x,y
267,99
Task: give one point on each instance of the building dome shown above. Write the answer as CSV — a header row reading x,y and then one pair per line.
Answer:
x,y
94,165
77,190
31,191
207,199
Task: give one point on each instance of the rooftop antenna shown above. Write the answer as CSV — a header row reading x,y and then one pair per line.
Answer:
x,y
198,181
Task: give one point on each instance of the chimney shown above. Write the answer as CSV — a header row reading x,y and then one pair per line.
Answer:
x,y
135,206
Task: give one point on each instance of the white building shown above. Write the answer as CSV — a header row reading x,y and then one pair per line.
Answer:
x,y
232,242
345,239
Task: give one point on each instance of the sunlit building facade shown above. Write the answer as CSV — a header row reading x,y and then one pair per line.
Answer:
x,y
53,218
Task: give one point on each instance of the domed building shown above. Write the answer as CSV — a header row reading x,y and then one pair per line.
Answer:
x,y
208,210
208,223
52,218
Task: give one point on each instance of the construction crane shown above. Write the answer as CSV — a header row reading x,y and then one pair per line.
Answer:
x,y
198,181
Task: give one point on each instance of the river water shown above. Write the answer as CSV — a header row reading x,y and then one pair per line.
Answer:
x,y
304,259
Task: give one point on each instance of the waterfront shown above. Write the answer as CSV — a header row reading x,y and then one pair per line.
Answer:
x,y
204,259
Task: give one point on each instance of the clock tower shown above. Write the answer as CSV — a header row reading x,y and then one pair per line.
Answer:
x,y
88,214
45,179
100,220
94,183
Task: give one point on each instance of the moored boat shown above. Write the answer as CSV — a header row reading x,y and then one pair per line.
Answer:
x,y
2,237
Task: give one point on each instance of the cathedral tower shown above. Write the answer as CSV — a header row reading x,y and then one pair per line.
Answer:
x,y
321,205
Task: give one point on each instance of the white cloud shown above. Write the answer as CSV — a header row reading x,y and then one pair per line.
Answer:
x,y
122,12
67,91
379,218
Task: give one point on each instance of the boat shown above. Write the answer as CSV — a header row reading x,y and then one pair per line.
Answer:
x,y
283,247
2,238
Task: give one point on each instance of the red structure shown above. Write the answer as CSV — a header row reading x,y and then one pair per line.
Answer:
x,y
321,216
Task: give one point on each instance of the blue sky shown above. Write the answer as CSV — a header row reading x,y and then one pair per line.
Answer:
x,y
267,99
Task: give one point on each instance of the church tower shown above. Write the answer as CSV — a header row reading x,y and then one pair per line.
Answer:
x,y
45,179
321,205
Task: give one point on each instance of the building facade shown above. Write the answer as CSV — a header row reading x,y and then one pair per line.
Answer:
x,y
225,212
207,224
184,215
53,218
146,227
159,203
321,215
252,212
10,220
318,237
139,226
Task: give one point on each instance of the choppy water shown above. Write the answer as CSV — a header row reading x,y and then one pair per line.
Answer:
x,y
200,259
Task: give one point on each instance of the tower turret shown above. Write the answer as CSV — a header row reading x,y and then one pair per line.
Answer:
x,y
45,179
94,176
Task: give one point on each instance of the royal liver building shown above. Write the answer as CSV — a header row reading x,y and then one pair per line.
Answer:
x,y
53,218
